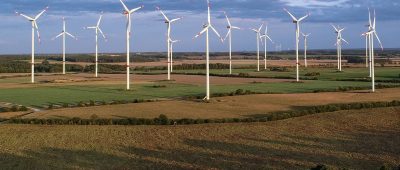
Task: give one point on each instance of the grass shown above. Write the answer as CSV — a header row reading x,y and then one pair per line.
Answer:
x,y
364,139
40,96
381,73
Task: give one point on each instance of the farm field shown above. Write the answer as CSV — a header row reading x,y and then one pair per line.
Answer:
x,y
221,107
74,90
364,139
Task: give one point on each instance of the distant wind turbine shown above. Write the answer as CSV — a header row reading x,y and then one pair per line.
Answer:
x,y
229,34
128,12
339,42
266,36
258,36
63,34
206,29
168,22
305,36
372,33
297,22
97,30
34,27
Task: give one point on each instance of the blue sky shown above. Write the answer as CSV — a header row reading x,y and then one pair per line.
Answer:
x,y
149,29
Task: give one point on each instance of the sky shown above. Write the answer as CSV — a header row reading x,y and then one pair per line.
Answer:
x,y
149,29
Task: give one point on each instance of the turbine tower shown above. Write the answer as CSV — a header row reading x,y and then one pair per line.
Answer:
x,y
172,42
372,33
168,22
339,42
258,34
97,30
34,27
206,29
128,14
63,34
265,36
229,34
297,22
305,36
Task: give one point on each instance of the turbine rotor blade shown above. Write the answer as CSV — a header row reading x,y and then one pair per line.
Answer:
x,y
227,34
234,27
101,32
41,13
291,15
69,34
176,19
202,31
163,14
37,30
136,9
227,19
25,16
99,21
377,37
216,32
125,7
59,35
303,18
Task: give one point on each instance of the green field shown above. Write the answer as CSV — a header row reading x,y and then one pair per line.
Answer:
x,y
39,96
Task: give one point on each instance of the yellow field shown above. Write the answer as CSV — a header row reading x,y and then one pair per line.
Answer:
x,y
364,139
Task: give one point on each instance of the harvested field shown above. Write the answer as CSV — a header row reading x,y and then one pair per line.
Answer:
x,y
223,107
364,139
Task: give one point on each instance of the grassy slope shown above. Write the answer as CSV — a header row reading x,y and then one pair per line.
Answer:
x,y
363,139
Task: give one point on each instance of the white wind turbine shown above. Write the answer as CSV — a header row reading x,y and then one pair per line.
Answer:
x,y
97,30
229,34
34,26
265,36
168,22
305,36
206,30
63,34
172,42
339,42
371,35
258,34
128,14
297,22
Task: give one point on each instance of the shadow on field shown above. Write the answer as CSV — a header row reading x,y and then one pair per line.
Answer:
x,y
357,150
51,158
360,149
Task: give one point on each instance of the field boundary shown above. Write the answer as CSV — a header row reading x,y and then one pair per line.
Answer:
x,y
163,120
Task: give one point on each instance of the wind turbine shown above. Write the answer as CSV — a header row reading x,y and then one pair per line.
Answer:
x,y
372,33
265,36
305,36
128,14
206,28
339,41
168,22
63,34
229,34
297,22
172,42
97,30
34,27
258,34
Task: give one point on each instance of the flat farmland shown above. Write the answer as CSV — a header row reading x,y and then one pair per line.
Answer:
x,y
111,87
221,107
364,139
